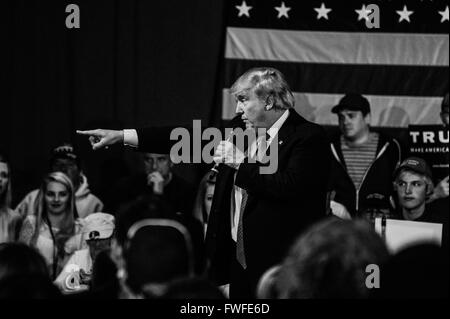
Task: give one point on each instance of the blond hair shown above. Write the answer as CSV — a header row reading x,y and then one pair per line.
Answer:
x,y
266,83
68,225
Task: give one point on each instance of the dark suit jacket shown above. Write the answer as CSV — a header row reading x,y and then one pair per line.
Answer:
x,y
279,205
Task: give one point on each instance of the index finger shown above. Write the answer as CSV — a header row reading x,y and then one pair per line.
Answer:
x,y
89,132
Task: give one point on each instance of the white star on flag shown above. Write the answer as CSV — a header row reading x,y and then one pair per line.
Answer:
x,y
363,13
404,14
244,9
322,12
444,15
282,11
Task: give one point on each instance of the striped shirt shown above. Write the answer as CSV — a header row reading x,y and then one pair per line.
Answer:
x,y
359,158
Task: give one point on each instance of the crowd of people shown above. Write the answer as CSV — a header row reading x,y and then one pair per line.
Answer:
x,y
308,232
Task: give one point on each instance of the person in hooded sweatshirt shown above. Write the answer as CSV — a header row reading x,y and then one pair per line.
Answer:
x,y
65,159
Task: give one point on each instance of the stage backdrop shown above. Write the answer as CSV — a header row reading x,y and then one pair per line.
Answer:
x,y
131,63
135,63
325,50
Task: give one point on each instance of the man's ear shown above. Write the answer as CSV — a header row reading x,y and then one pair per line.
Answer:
x,y
394,186
429,189
368,118
269,103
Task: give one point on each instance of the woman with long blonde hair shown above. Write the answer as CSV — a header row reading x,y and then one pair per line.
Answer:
x,y
53,227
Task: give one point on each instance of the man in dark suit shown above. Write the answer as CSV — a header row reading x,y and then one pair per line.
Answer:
x,y
265,212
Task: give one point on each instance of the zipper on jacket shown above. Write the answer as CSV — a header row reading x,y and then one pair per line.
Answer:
x,y
333,150
365,174
367,171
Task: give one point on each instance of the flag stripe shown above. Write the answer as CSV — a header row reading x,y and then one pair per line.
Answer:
x,y
388,111
339,78
402,67
337,47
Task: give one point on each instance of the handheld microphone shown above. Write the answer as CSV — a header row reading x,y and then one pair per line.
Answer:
x,y
234,123
215,169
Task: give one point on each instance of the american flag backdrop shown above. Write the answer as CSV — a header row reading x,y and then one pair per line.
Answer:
x,y
325,49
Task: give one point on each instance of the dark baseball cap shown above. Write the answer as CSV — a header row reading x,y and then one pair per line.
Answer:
x,y
65,151
353,102
415,164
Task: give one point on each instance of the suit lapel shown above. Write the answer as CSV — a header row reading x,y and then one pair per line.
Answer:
x,y
284,134
287,129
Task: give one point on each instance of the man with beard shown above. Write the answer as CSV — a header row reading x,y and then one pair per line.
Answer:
x,y
157,178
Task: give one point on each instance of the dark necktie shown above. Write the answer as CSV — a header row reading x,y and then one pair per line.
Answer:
x,y
240,254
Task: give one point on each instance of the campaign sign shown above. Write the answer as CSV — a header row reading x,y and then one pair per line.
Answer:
x,y
430,142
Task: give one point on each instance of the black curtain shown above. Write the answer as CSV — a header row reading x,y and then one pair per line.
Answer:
x,y
132,63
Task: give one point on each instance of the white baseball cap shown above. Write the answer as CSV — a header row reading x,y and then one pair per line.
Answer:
x,y
98,226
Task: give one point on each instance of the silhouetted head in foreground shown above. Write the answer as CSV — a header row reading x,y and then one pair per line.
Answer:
x,y
329,261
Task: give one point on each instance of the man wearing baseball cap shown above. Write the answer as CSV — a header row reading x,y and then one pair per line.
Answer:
x,y
413,184
363,161
97,232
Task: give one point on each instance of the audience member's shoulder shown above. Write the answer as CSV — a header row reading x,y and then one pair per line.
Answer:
x,y
30,196
33,192
392,143
95,200
13,215
383,137
79,223
30,219
438,210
